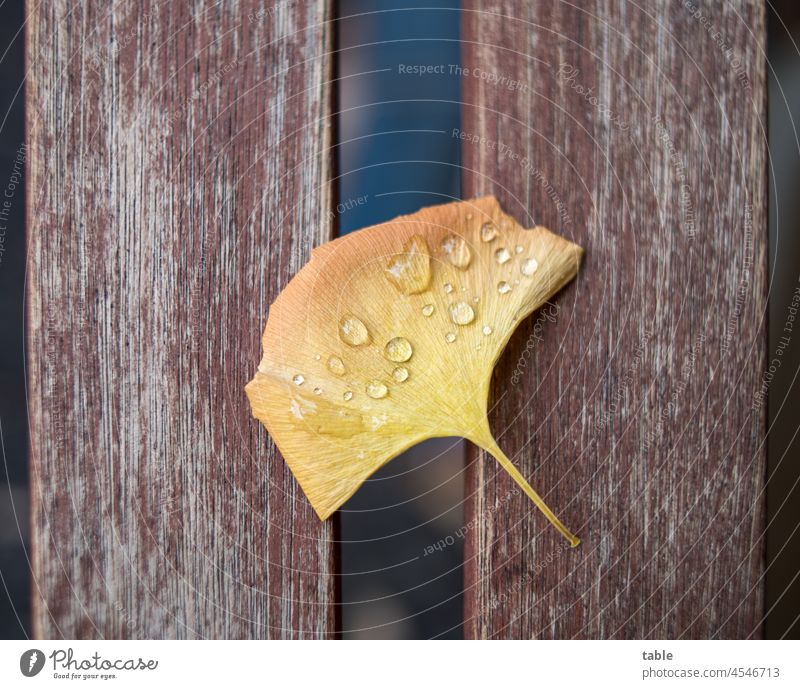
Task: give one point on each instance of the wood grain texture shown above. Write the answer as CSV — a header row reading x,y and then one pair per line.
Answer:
x,y
178,178
636,131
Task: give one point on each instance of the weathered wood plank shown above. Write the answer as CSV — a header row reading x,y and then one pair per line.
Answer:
x,y
178,178
637,131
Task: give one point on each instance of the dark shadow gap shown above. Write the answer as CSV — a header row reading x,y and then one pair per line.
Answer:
x,y
397,102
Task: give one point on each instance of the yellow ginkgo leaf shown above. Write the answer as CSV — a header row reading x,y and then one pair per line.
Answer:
x,y
389,336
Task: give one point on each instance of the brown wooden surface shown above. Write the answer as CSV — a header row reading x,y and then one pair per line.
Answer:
x,y
634,415
178,178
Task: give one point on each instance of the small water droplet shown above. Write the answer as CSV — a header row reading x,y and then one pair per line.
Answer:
x,y
427,310
317,357
478,346
457,251
410,271
450,337
317,391
502,256
448,288
398,349
469,216
529,266
488,232
503,287
476,299
347,396
353,332
336,366
299,379
487,329
400,374
377,390
518,248
462,313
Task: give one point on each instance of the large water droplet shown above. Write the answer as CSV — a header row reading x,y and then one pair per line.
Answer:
x,y
353,332
450,337
448,288
410,271
336,366
502,256
457,251
462,313
488,232
529,266
347,396
377,390
400,374
398,349
503,287
487,329
299,379
427,310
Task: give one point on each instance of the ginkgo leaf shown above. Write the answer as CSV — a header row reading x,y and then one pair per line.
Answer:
x,y
389,336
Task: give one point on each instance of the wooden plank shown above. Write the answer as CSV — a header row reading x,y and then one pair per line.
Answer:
x,y
638,132
179,176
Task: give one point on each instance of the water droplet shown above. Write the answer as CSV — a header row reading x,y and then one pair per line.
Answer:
x,y
297,410
410,271
353,332
518,248
469,216
336,366
502,256
450,337
476,299
488,232
317,391
347,396
377,390
398,349
487,329
317,357
376,422
457,251
461,313
299,379
318,416
427,310
448,288
529,266
478,346
503,287
400,374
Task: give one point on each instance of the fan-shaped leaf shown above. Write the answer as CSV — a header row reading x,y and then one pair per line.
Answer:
x,y
389,336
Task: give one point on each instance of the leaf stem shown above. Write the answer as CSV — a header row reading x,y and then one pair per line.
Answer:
x,y
493,449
